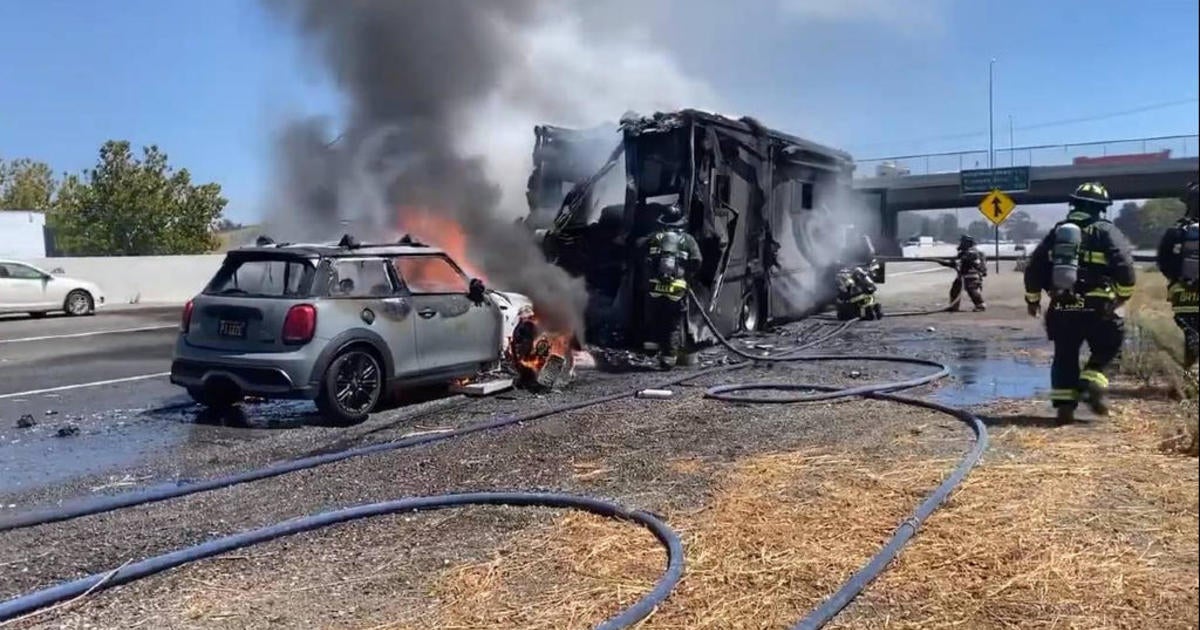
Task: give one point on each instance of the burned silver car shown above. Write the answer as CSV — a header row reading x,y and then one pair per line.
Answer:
x,y
341,324
767,210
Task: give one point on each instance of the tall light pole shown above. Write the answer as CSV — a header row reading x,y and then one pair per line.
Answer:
x,y
1011,147
992,151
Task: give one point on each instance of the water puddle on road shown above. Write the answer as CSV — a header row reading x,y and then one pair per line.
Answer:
x,y
32,460
119,440
981,372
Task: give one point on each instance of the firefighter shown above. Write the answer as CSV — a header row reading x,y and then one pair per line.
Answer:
x,y
972,269
1178,258
856,295
673,256
1085,266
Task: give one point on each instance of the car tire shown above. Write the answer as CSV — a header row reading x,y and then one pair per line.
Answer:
x,y
218,398
79,303
351,387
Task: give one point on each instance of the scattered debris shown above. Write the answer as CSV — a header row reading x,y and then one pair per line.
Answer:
x,y
482,388
127,480
26,421
931,329
51,412
67,431
584,360
855,374
655,393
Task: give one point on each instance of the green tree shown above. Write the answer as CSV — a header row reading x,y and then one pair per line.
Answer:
x,y
1144,225
908,225
131,207
1128,222
980,230
26,185
1156,217
1020,227
947,228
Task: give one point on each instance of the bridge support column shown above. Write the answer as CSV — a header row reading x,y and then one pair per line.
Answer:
x,y
889,226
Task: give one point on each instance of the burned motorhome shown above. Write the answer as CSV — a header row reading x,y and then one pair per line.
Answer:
x,y
768,210
562,160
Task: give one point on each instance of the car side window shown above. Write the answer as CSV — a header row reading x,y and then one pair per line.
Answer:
x,y
429,274
19,272
359,278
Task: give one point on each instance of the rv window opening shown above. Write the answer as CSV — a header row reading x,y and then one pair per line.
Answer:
x,y
806,195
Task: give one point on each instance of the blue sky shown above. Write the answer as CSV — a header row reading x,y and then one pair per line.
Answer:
x,y
209,80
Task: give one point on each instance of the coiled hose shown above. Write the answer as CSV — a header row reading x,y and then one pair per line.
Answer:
x,y
27,604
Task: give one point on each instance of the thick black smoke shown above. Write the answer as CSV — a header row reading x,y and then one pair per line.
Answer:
x,y
413,73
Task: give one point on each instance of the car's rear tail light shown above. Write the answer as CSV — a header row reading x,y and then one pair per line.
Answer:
x,y
300,324
185,321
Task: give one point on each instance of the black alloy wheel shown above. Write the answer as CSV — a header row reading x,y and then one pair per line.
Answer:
x,y
352,387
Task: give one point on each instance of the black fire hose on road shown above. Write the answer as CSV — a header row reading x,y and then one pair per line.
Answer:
x,y
827,610
39,599
108,503
28,604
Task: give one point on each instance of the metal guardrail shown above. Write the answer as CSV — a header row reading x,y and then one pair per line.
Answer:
x,y
1036,155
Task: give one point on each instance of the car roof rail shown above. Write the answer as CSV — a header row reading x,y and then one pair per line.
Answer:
x,y
349,242
408,239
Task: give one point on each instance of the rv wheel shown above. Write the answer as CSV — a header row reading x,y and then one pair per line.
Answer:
x,y
748,320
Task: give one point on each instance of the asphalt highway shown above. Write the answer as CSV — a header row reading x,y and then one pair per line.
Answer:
x,y
55,355
125,355
97,389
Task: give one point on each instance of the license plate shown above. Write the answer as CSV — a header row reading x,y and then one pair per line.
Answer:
x,y
228,328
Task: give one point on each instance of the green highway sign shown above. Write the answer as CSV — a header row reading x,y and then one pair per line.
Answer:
x,y
983,181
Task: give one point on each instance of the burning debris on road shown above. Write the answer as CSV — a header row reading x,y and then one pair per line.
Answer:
x,y
540,356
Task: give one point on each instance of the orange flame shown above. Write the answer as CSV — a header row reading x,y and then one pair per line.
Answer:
x,y
536,345
440,231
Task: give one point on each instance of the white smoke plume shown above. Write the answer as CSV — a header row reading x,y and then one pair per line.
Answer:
x,y
442,96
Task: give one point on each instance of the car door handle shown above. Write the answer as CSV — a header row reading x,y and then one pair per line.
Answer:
x,y
426,313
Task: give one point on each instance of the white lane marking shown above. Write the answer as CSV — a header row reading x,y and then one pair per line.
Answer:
x,y
63,388
909,273
90,334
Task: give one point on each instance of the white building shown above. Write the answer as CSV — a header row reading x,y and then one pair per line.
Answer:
x,y
22,234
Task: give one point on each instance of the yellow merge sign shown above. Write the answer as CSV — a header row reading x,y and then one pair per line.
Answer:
x,y
996,207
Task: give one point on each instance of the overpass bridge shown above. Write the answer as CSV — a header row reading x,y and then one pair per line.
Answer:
x,y
1135,169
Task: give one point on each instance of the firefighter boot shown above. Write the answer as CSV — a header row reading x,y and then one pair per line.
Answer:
x,y
1092,393
980,307
1065,414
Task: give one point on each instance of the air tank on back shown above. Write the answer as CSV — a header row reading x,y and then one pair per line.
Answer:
x,y
1065,257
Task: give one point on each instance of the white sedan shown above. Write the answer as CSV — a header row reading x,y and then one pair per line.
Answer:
x,y
27,289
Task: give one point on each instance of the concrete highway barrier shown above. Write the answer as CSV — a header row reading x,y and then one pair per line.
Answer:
x,y
151,280
146,280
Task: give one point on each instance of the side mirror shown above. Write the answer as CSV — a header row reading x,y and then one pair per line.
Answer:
x,y
476,290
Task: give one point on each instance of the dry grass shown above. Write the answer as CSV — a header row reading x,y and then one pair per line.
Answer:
x,y
1154,352
1154,356
782,531
1079,528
